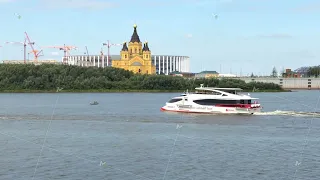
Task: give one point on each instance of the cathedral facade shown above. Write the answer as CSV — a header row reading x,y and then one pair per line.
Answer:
x,y
135,57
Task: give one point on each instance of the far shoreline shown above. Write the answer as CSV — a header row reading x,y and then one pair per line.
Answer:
x,y
123,91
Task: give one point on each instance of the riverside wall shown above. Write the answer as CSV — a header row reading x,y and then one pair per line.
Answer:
x,y
287,83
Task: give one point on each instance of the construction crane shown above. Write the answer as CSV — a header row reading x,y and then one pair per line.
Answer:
x,y
65,49
24,48
108,44
87,52
35,52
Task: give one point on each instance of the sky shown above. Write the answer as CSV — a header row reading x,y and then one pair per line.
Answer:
x,y
249,36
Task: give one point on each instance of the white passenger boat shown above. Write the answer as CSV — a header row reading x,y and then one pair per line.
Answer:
x,y
214,100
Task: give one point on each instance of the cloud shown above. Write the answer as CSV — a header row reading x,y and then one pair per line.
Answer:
x,y
309,7
84,4
6,1
276,36
189,36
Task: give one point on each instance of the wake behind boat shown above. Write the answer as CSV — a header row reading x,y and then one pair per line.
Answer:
x,y
213,100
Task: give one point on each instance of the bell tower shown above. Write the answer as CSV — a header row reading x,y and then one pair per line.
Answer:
x,y
146,52
124,53
135,45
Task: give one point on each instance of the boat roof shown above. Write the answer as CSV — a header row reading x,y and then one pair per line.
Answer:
x,y
219,89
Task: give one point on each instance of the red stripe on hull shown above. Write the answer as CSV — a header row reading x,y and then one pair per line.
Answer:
x,y
186,111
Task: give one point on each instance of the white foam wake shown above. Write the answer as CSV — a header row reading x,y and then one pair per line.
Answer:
x,y
289,113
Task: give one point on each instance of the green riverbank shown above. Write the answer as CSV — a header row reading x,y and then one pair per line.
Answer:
x,y
46,78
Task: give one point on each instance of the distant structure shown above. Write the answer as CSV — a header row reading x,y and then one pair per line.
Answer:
x,y
207,74
183,74
291,74
227,75
38,62
134,57
164,64
304,70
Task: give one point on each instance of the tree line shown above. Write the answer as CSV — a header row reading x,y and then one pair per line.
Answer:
x,y
314,71
309,72
48,77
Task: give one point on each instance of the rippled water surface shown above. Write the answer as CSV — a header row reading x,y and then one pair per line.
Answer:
x,y
127,137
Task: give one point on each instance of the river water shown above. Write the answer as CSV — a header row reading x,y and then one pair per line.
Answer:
x,y
127,137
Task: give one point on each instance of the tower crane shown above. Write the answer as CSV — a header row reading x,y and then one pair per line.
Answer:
x,y
108,44
36,53
65,49
24,48
25,43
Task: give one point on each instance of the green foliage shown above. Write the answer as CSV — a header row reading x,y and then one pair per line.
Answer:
x,y
274,72
48,77
314,71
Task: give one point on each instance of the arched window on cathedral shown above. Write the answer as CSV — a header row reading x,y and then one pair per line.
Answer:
x,y
135,50
147,71
139,70
125,56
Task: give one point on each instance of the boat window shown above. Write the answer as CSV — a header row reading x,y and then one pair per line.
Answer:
x,y
245,101
224,95
174,100
208,92
215,93
232,92
215,101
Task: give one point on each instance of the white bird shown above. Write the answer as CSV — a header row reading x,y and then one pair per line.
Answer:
x,y
18,15
215,16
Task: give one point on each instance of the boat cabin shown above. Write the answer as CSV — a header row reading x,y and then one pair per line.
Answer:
x,y
216,91
217,101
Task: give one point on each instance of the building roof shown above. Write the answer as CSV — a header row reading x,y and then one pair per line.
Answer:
x,y
116,57
124,47
144,47
227,75
177,72
135,36
147,47
208,72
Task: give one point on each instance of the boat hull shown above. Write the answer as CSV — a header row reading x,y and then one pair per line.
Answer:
x,y
210,109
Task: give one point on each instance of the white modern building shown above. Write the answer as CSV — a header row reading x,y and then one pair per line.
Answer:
x,y
165,64
227,75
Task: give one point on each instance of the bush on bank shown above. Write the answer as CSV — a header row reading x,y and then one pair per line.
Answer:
x,y
47,77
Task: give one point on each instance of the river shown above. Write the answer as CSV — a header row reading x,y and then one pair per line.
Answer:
x,y
60,136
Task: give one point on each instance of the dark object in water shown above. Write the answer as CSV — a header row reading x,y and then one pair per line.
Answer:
x,y
94,103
